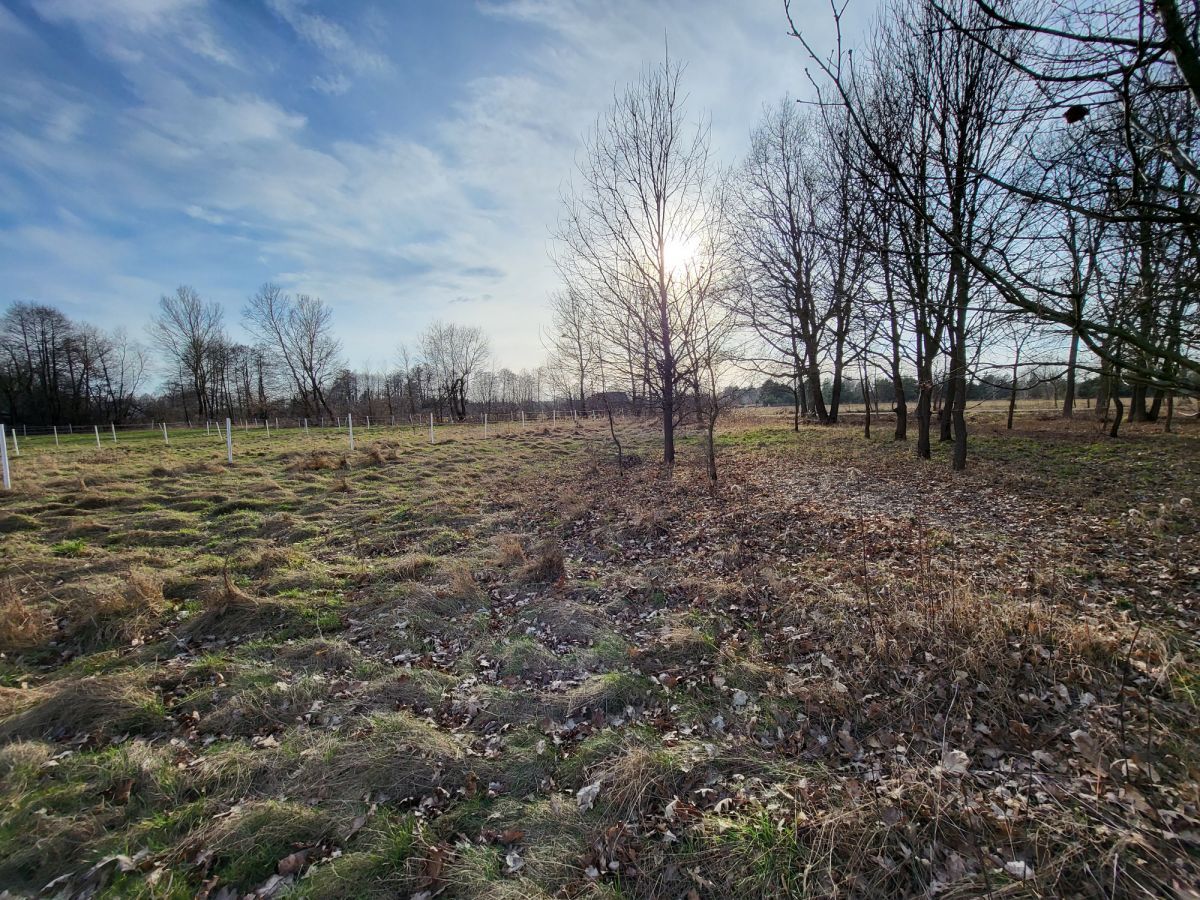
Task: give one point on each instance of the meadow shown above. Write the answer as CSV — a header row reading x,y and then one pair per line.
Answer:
x,y
501,667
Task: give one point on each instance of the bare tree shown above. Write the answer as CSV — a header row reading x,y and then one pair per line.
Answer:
x,y
300,332
186,329
636,214
453,353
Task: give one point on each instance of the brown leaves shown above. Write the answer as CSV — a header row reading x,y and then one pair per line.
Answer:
x,y
292,863
615,852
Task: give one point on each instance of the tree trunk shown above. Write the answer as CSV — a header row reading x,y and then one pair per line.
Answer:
x,y
668,387
1012,391
866,411
924,416
1068,409
947,406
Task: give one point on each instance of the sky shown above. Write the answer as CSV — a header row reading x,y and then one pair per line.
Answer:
x,y
402,159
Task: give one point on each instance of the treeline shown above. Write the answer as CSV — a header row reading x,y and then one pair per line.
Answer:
x,y
980,194
55,371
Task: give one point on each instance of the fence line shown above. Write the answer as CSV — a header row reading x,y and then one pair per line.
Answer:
x,y
68,429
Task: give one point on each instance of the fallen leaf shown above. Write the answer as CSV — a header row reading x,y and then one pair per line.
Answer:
x,y
955,762
292,863
586,796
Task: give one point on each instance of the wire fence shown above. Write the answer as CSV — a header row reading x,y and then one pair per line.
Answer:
x,y
418,420
224,436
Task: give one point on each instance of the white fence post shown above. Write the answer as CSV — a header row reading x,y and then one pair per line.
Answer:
x,y
55,435
228,440
267,425
97,427
368,424
431,428
485,424
350,428
306,427
16,446
207,427
166,440
113,427
7,479
522,417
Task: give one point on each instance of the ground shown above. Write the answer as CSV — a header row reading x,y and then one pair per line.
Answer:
x,y
500,667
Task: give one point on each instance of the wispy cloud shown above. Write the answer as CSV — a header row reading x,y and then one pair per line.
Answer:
x,y
334,42
218,168
121,28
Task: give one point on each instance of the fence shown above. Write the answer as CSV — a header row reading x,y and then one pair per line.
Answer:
x,y
225,434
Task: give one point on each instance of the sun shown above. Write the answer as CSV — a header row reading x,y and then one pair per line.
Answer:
x,y
678,253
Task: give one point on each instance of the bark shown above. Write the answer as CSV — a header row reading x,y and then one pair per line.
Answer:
x,y
1068,409
925,416
947,406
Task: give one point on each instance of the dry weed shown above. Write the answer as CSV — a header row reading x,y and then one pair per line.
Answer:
x,y
22,627
547,565
509,551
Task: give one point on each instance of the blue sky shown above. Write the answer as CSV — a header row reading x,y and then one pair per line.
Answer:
x,y
403,159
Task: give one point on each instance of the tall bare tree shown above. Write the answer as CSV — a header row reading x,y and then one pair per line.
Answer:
x,y
300,333
187,329
635,215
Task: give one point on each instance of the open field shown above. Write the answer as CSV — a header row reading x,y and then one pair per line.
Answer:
x,y
501,668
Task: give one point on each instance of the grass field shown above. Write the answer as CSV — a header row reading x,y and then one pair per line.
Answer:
x,y
501,668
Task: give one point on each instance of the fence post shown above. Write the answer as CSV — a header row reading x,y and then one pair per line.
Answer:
x,y
55,435
485,424
267,425
113,427
166,440
7,479
228,440
350,428
16,446
306,427
368,424
431,428
522,417
97,427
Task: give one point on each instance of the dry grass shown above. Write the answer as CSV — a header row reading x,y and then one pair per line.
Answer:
x,y
96,708
833,676
118,612
22,627
639,778
509,551
410,566
547,565
317,461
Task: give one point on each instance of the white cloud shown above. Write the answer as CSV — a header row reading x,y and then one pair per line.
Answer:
x,y
10,24
203,215
331,39
333,85
135,15
392,230
121,29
